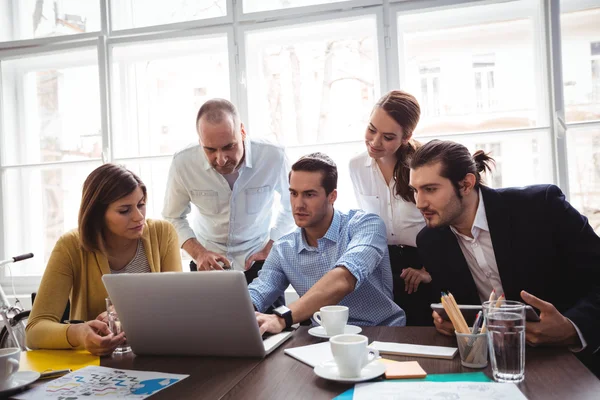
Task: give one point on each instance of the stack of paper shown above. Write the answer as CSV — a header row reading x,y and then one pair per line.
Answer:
x,y
313,354
403,349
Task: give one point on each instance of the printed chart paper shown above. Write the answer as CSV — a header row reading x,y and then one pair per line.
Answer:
x,y
437,391
103,383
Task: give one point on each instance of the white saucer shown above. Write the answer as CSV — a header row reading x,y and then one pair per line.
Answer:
x,y
329,370
19,380
319,331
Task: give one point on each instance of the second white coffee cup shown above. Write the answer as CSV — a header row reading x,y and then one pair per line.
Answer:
x,y
332,318
351,354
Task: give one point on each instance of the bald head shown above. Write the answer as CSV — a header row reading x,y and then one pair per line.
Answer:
x,y
215,111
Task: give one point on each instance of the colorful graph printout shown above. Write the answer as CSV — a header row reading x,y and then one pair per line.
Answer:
x,y
103,383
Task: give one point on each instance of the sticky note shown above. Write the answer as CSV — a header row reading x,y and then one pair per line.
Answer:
x,y
403,369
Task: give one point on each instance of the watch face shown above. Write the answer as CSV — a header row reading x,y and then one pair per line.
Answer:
x,y
281,310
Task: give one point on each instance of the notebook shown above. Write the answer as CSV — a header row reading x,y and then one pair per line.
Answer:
x,y
416,350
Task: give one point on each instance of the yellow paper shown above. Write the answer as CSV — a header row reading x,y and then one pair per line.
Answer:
x,y
45,360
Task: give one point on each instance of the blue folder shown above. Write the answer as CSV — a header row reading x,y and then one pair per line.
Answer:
x,y
462,377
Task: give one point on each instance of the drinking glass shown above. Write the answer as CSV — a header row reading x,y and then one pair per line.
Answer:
x,y
505,321
114,324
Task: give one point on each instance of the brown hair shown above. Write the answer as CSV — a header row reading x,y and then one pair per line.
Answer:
x,y
404,108
456,161
105,185
319,162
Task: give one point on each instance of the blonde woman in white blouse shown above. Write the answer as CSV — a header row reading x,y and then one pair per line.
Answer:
x,y
380,177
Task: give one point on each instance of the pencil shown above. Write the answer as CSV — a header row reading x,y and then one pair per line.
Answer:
x,y
464,327
476,349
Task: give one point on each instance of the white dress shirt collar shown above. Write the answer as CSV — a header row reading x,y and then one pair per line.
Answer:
x,y
480,222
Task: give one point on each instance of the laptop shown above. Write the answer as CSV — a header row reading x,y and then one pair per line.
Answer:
x,y
189,313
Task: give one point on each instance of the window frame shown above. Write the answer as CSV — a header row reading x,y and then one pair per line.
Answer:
x,y
236,24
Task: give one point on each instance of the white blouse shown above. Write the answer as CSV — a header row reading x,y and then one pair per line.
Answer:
x,y
403,220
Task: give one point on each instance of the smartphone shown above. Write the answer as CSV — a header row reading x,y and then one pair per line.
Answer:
x,y
470,312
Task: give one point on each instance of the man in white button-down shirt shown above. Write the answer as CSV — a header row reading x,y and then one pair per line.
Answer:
x,y
528,243
230,183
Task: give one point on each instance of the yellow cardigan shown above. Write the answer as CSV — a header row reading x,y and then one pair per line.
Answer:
x,y
75,273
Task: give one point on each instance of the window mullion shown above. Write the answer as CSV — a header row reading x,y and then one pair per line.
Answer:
x,y
558,126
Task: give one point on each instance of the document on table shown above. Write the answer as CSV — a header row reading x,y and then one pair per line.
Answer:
x,y
437,390
103,383
416,350
313,354
46,360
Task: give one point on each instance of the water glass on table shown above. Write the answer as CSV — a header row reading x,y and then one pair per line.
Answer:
x,y
114,324
505,323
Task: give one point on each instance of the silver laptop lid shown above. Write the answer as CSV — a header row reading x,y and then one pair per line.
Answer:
x,y
186,313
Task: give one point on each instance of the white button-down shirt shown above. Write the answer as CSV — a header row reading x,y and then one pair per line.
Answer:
x,y
235,222
481,259
403,220
479,254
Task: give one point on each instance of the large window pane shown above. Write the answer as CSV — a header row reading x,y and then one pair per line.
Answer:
x,y
127,14
28,19
312,83
584,171
581,62
474,68
267,5
521,158
159,87
39,205
51,108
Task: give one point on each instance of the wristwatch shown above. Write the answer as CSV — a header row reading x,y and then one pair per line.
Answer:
x,y
286,314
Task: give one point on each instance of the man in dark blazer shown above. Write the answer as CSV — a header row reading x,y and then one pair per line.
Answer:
x,y
528,243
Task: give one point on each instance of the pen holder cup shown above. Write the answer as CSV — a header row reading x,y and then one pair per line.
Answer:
x,y
473,349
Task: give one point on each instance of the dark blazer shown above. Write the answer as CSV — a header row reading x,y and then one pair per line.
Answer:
x,y
542,245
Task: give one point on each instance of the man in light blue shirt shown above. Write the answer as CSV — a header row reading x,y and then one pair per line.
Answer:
x,y
230,183
333,258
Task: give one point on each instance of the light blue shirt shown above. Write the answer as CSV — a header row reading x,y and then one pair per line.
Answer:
x,y
233,221
355,240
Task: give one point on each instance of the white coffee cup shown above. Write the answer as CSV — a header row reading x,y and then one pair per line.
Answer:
x,y
332,318
9,364
351,354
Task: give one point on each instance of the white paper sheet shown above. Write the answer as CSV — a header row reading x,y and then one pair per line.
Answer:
x,y
437,391
312,354
103,383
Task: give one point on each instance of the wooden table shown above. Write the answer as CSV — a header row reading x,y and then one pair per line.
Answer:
x,y
550,373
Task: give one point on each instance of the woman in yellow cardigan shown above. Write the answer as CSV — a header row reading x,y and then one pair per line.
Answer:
x,y
113,237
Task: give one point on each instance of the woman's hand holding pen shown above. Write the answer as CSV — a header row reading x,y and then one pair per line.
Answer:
x,y
413,277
